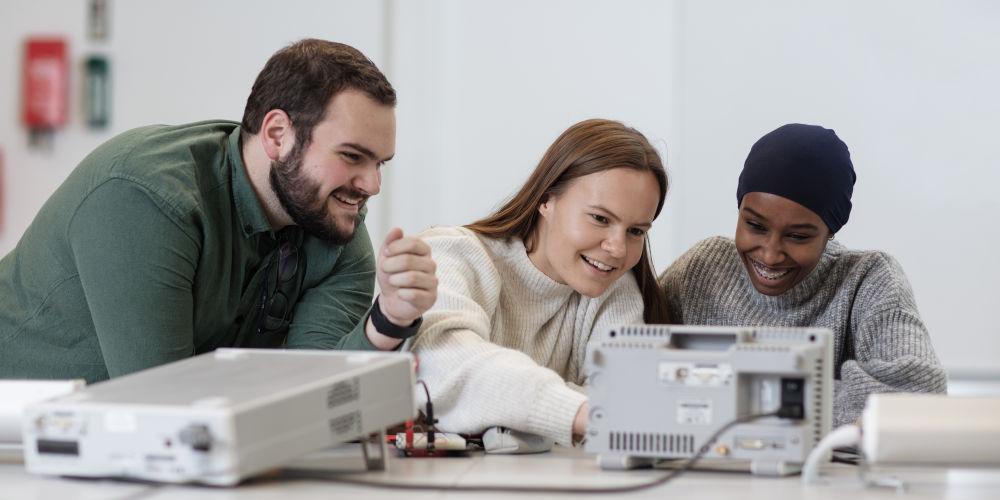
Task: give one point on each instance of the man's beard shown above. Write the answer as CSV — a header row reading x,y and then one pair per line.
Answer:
x,y
299,196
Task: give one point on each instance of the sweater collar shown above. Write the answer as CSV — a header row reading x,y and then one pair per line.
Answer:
x,y
534,279
803,291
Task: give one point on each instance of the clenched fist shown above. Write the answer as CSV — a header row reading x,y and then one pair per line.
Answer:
x,y
407,281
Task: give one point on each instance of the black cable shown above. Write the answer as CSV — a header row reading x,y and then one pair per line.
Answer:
x,y
312,474
429,417
846,455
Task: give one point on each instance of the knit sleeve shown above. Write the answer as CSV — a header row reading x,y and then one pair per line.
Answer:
x,y
474,383
892,348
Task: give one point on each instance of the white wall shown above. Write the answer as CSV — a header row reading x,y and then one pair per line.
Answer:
x,y
911,87
171,62
485,86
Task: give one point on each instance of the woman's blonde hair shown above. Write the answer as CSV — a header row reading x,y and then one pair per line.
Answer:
x,y
588,147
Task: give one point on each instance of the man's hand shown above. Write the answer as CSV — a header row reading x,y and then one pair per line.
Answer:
x,y
408,285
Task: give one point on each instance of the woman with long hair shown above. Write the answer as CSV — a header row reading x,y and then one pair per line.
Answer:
x,y
523,290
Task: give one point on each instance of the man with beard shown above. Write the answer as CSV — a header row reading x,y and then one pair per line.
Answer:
x,y
170,241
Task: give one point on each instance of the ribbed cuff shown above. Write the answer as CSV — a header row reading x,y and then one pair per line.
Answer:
x,y
553,413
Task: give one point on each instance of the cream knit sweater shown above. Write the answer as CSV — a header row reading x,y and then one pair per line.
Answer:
x,y
504,344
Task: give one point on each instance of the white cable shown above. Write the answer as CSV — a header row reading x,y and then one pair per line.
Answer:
x,y
845,435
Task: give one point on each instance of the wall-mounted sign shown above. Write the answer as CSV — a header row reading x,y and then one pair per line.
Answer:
x,y
46,88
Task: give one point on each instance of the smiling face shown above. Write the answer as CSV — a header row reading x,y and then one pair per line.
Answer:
x,y
779,241
324,186
589,235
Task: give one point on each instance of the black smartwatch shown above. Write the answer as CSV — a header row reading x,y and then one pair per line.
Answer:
x,y
390,329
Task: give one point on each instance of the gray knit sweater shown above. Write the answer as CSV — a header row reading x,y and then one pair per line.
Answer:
x,y
880,344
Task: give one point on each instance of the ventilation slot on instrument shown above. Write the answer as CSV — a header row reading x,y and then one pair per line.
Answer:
x,y
343,392
651,443
817,395
762,348
642,331
346,424
780,334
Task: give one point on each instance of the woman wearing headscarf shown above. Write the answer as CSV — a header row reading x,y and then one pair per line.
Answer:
x,y
784,268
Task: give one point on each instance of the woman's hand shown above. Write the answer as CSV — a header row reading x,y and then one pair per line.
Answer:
x,y
580,421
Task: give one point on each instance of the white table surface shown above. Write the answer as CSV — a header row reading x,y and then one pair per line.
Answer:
x,y
561,467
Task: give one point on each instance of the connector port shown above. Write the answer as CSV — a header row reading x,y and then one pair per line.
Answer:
x,y
57,447
793,398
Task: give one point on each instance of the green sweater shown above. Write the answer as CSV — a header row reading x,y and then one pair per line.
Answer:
x,y
880,344
153,250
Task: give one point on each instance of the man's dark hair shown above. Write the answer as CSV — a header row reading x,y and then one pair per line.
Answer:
x,y
301,78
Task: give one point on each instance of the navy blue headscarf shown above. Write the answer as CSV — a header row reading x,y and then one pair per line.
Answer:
x,y
807,164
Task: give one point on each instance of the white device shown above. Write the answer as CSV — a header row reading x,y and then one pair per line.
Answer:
x,y
504,441
931,429
661,391
15,395
443,441
919,429
219,417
